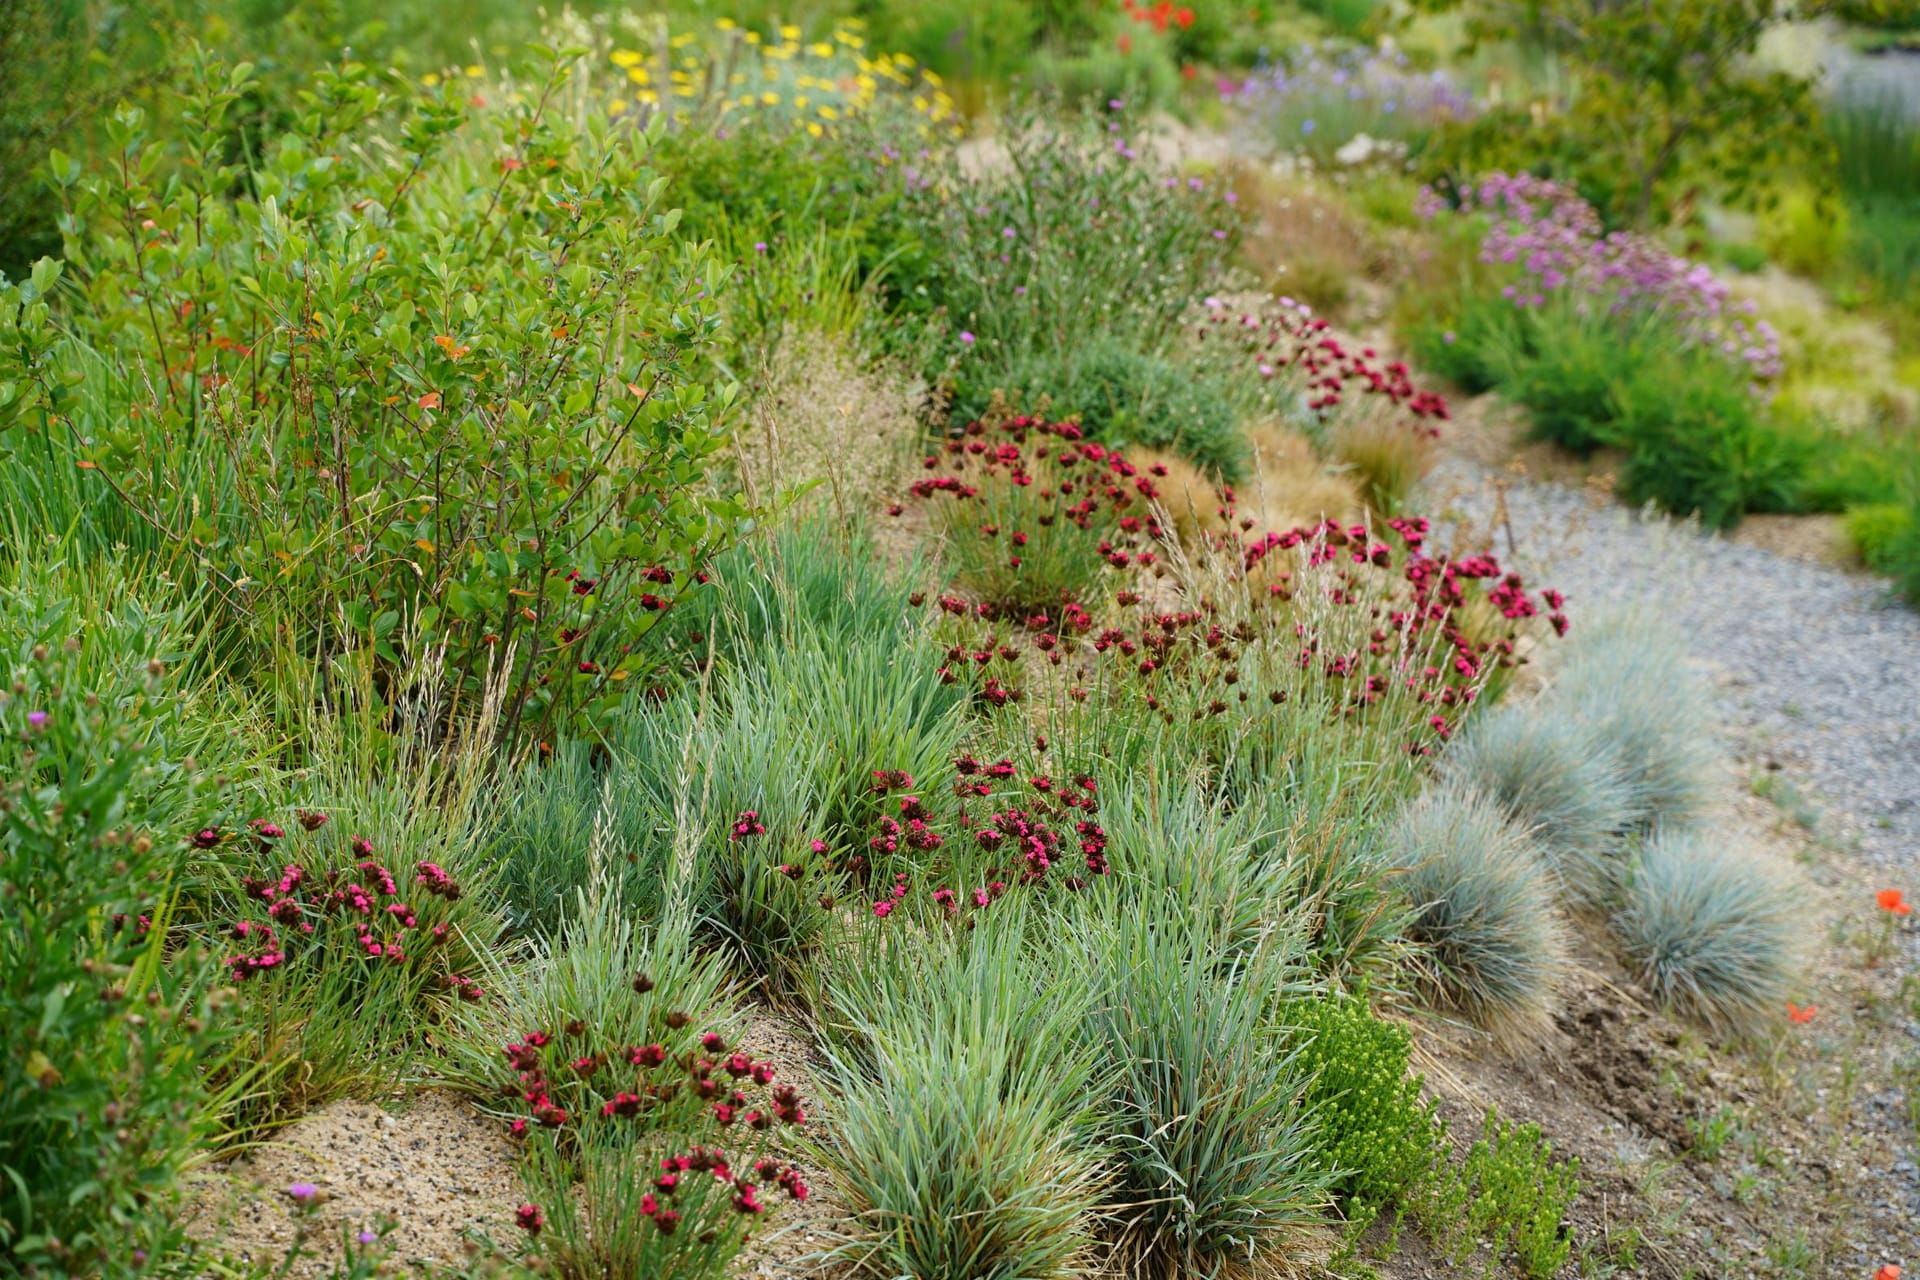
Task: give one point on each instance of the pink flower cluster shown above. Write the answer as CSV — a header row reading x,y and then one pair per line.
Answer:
x,y
1555,241
306,910
561,1078
1286,337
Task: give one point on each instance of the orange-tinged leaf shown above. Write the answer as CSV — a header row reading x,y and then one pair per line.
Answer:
x,y
431,400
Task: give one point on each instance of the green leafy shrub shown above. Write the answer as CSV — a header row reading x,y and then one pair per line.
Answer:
x,y
1887,537
115,1028
1709,932
1877,531
961,1130
1491,943
1558,782
1667,100
1568,370
1376,1129
1695,436
407,436
1510,1195
1627,680
1460,333
1214,1159
69,63
1696,442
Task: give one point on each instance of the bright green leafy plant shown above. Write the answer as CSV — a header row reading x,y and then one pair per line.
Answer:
x,y
113,1019
1384,1139
427,377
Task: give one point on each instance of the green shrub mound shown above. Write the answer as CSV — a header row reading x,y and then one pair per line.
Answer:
x,y
1887,538
1558,781
1709,932
1482,909
1380,1135
1126,397
117,1049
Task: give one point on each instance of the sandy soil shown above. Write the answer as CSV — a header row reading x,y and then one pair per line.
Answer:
x,y
442,1173
431,1164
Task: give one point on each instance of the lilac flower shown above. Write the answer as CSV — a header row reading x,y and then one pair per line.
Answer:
x,y
966,337
1556,241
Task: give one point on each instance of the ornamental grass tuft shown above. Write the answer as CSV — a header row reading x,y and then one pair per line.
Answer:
x,y
1710,932
1483,910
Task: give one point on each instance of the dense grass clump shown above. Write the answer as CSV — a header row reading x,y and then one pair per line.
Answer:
x,y
960,1137
1628,682
1556,779
1482,909
1708,931
1214,1159
1128,397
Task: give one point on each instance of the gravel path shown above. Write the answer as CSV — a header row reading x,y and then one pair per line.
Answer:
x,y
1820,667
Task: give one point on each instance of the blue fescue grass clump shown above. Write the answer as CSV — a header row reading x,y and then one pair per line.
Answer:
x,y
1556,778
1710,932
1214,1158
1628,681
961,1138
1482,910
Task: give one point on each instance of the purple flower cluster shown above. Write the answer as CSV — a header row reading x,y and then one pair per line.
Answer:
x,y
1556,241
1324,99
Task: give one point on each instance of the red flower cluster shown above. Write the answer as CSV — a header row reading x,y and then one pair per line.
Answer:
x,y
561,1078
1287,335
307,910
1159,16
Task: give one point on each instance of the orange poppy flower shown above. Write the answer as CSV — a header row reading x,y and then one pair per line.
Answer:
x,y
1888,1272
1796,1014
1895,901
